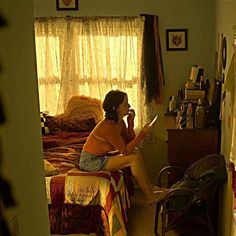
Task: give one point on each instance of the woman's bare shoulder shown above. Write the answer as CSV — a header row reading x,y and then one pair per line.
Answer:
x,y
104,125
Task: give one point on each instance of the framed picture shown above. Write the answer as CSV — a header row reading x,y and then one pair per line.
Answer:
x,y
67,5
176,39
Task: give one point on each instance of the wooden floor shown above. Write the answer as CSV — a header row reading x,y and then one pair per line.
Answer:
x,y
141,221
140,216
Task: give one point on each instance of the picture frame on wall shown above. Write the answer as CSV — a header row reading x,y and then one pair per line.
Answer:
x,y
67,5
176,39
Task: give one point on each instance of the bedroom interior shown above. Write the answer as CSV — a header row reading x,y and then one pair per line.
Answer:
x,y
21,134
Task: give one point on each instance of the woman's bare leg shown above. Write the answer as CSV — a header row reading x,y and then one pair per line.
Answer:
x,y
153,187
137,152
133,160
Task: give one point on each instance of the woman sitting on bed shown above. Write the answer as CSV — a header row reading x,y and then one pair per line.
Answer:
x,y
112,134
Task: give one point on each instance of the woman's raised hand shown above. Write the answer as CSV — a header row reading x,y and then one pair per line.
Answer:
x,y
130,117
147,128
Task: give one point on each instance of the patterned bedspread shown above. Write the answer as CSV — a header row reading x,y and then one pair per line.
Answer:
x,y
104,190
82,202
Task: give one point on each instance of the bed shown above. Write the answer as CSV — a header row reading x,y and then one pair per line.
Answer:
x,y
78,201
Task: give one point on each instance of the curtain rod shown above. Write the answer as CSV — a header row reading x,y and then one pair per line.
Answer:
x,y
71,17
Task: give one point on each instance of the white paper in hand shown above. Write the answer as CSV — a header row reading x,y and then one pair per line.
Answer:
x,y
153,120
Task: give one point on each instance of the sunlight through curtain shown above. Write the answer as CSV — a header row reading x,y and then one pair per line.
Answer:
x,y
88,56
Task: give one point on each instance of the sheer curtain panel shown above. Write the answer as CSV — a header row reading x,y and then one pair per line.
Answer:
x,y
88,56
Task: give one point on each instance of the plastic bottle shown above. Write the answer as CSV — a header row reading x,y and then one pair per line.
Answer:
x,y
183,117
172,104
180,93
202,83
179,120
207,88
189,116
199,115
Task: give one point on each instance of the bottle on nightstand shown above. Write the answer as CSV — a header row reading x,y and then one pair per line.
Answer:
x,y
202,83
189,116
199,115
180,93
179,120
172,104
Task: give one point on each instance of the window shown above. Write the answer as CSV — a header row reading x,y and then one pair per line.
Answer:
x,y
88,56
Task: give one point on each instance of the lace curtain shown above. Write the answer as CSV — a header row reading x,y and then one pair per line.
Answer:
x,y
89,56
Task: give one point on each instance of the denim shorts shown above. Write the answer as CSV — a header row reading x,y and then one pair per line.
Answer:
x,y
89,162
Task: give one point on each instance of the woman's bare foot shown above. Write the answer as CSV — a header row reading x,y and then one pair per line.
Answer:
x,y
157,189
156,197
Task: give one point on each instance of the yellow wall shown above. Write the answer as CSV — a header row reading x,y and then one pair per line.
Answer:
x,y
20,136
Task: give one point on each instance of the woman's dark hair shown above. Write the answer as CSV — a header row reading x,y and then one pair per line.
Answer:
x,y
111,102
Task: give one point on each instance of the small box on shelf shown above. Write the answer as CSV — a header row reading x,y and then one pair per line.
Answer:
x,y
194,94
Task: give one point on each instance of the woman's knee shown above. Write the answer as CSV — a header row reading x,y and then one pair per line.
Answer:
x,y
137,152
135,157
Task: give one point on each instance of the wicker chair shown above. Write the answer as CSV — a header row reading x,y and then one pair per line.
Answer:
x,y
194,197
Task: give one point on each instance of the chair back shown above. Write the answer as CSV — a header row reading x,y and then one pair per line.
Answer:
x,y
211,164
193,199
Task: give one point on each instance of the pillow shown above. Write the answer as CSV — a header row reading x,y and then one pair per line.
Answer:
x,y
58,124
77,125
44,124
84,107
48,166
54,123
49,169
